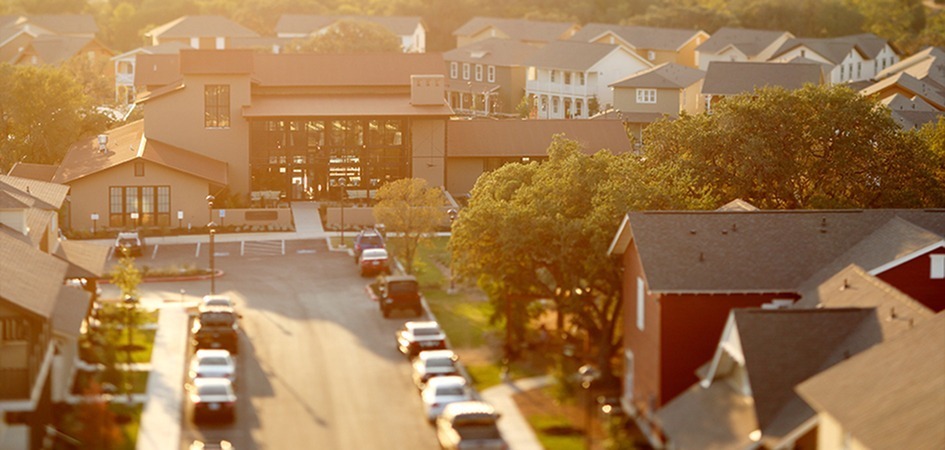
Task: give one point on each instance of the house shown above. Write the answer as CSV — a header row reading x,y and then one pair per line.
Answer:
x,y
75,32
740,44
80,25
927,66
40,316
571,79
533,32
911,113
487,78
55,50
33,171
410,29
293,123
746,393
852,58
662,91
906,386
907,86
478,146
656,45
685,271
200,32
724,78
124,67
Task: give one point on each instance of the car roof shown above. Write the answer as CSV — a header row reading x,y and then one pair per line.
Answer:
x,y
421,324
206,353
211,381
127,234
373,251
429,354
216,297
449,380
467,407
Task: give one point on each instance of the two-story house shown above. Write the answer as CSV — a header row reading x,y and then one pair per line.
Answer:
x,y
685,271
200,32
410,29
124,67
927,66
487,77
853,58
724,78
571,79
535,32
50,39
655,45
740,44
662,91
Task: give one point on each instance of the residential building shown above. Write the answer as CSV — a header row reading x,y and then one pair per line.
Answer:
x,y
662,91
40,316
927,66
571,79
293,123
655,45
61,36
533,32
200,32
55,50
746,393
685,271
487,78
410,29
478,146
906,393
911,113
124,66
906,85
852,58
740,44
724,78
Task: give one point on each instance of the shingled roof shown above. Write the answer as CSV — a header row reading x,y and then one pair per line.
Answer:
x,y
31,278
494,51
663,76
730,77
200,26
749,42
518,29
306,24
927,65
63,24
572,55
638,36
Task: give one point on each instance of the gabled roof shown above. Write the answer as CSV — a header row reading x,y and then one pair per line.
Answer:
x,y
909,120
164,48
854,287
911,84
906,384
530,138
573,55
54,49
729,77
663,76
927,65
638,36
86,260
495,51
47,195
200,26
749,42
63,24
305,24
899,102
33,171
759,251
127,143
31,278
518,29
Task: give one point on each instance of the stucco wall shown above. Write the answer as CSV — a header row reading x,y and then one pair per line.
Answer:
x,y
667,101
428,150
463,173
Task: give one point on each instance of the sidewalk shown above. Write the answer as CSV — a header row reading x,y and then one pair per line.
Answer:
x,y
513,426
161,416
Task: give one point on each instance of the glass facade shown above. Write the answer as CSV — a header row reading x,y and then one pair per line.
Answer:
x,y
318,159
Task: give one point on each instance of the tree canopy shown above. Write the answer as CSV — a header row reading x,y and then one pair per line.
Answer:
x,y
350,36
411,210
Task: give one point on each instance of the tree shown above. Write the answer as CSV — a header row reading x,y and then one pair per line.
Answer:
x,y
542,230
410,209
350,36
43,111
816,147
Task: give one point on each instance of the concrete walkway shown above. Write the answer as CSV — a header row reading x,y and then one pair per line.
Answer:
x,y
513,426
160,427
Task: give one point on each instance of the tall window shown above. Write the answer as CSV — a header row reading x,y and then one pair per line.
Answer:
x,y
567,78
646,95
454,70
580,77
151,203
478,72
216,106
490,74
465,71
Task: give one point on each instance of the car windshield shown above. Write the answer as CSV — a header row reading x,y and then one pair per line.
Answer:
x,y
370,240
127,242
450,390
216,319
426,331
212,389
217,302
214,361
440,362
477,430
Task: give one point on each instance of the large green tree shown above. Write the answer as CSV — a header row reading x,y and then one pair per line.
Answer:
x,y
411,210
816,147
43,111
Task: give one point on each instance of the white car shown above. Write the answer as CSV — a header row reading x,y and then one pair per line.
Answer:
x,y
215,301
433,363
212,364
441,391
212,398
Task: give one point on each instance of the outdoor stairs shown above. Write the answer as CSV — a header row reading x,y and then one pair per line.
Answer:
x,y
263,248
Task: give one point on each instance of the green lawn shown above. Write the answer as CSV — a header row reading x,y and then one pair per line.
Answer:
x,y
138,379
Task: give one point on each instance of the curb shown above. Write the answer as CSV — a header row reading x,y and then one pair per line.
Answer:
x,y
217,274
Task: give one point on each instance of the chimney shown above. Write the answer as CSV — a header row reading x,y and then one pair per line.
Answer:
x,y
427,90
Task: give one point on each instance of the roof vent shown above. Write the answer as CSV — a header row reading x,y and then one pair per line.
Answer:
x,y
102,140
692,232
701,256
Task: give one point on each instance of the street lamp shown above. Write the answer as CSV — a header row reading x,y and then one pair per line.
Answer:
x,y
588,374
452,212
343,182
130,302
212,231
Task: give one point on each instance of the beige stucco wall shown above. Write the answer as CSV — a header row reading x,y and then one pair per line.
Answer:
x,y
239,217
177,118
428,150
691,98
90,194
667,101
463,173
687,53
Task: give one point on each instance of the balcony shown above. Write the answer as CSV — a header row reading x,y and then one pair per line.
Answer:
x,y
559,88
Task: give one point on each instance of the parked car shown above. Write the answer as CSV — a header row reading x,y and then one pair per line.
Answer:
x,y
212,398
469,425
366,239
433,363
373,261
128,243
216,301
392,292
212,445
441,391
415,337
216,328
212,364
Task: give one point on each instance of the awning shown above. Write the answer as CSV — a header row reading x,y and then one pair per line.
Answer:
x,y
340,106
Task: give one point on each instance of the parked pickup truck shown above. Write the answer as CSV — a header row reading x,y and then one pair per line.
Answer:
x,y
396,292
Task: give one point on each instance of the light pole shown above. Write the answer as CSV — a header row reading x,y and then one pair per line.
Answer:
x,y
452,214
588,374
212,231
343,182
130,302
